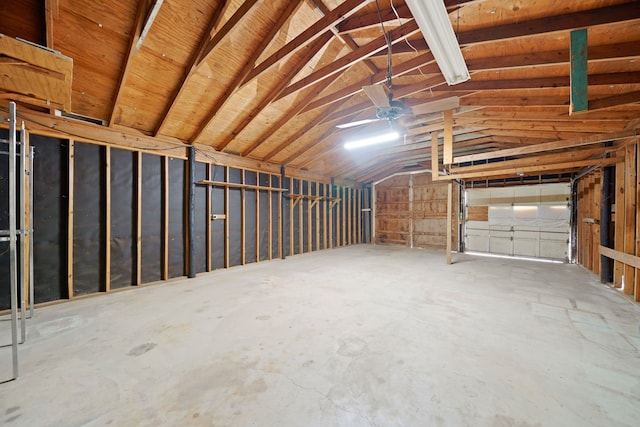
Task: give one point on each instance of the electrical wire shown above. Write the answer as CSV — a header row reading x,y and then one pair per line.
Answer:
x,y
389,51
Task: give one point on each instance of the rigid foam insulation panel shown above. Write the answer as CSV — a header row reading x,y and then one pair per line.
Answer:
x,y
177,223
123,218
217,225
152,215
250,216
200,219
234,217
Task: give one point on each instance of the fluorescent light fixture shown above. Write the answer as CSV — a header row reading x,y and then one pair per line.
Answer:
x,y
434,23
379,139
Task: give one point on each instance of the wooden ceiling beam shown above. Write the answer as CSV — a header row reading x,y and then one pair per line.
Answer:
x,y
207,47
292,112
141,22
283,17
549,146
567,156
541,82
568,21
349,59
345,38
372,19
297,66
613,101
537,169
314,31
424,60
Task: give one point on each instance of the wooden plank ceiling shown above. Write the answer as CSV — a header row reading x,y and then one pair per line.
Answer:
x,y
270,80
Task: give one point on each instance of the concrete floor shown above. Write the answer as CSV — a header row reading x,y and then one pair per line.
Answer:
x,y
358,336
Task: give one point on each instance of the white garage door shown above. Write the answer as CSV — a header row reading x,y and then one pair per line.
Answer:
x,y
531,221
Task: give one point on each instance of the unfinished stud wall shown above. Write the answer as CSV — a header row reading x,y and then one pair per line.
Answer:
x,y
411,210
624,247
111,217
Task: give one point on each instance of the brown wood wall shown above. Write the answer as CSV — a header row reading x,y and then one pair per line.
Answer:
x,y
411,210
625,249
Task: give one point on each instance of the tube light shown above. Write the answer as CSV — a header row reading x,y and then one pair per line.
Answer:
x,y
434,23
379,139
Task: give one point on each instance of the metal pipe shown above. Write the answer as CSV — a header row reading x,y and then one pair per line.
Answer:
x,y
13,283
23,235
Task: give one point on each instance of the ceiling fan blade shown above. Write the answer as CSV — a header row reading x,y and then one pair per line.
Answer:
x,y
356,123
437,106
378,95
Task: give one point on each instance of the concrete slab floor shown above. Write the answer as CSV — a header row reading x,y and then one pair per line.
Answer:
x,y
357,336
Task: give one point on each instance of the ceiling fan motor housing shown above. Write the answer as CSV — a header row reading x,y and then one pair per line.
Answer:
x,y
395,110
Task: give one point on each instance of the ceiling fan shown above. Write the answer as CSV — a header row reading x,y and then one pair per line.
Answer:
x,y
387,108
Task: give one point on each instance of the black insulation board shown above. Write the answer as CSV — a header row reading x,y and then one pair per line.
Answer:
x,y
152,215
275,200
286,220
217,225
250,206
123,218
89,204
313,190
50,217
264,224
234,217
200,222
304,205
177,232
296,218
321,210
5,257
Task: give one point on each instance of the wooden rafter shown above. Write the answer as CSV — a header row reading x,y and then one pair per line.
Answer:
x,y
237,80
286,118
550,146
206,48
51,10
345,9
293,70
349,59
141,21
568,21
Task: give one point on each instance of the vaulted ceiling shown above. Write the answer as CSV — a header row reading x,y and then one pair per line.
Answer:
x,y
270,80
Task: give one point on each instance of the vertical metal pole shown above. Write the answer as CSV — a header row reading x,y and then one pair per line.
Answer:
x,y
32,281
23,234
13,283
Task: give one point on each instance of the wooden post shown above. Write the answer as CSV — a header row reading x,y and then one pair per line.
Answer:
x,y
630,215
618,267
107,220
434,156
447,148
70,221
636,292
309,219
138,218
344,215
410,242
449,219
325,206
281,215
257,254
